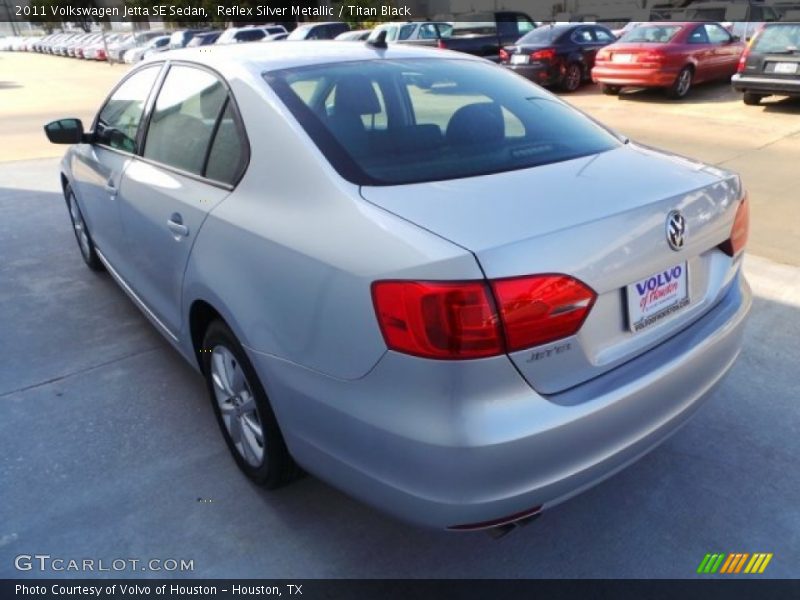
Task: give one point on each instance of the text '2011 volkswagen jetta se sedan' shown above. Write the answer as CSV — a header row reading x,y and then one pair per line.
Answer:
x,y
413,273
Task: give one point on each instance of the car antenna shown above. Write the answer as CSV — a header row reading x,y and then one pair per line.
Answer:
x,y
379,41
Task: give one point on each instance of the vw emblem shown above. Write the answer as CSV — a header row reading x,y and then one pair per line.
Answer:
x,y
676,230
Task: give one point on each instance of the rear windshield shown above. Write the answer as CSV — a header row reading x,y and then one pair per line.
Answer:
x,y
387,122
654,34
542,35
778,38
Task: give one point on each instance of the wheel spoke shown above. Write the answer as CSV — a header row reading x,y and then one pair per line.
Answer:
x,y
252,426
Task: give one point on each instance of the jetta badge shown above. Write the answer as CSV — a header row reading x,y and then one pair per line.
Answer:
x,y
676,230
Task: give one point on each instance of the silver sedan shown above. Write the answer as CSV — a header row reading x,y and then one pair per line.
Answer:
x,y
411,272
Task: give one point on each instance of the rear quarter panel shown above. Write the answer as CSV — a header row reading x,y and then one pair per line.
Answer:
x,y
288,258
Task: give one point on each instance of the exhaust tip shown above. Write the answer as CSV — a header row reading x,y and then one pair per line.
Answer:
x,y
503,525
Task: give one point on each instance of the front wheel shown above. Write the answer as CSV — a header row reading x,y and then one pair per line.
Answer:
x,y
243,411
752,99
81,231
682,84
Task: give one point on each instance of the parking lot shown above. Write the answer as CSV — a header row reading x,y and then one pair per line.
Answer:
x,y
110,448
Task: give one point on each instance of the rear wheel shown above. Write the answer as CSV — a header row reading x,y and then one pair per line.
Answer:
x,y
752,99
243,411
682,84
81,231
611,90
572,77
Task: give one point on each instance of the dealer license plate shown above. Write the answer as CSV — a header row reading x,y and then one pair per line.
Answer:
x,y
657,297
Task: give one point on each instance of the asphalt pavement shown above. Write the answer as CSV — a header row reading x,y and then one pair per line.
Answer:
x,y
109,450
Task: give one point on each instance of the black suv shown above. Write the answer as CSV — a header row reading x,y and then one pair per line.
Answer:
x,y
771,64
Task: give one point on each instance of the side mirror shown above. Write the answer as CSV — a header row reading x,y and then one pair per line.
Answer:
x,y
65,131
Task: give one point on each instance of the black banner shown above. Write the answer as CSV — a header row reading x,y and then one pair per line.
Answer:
x,y
366,12
313,589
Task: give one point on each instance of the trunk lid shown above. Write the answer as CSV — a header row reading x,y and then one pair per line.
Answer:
x,y
586,219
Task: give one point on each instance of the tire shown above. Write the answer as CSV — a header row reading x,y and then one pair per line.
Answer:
x,y
243,410
683,83
611,90
81,231
752,99
573,77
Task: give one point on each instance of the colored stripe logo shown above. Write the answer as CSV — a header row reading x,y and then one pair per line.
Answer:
x,y
734,563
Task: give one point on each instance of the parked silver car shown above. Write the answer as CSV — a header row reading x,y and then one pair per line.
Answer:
x,y
424,279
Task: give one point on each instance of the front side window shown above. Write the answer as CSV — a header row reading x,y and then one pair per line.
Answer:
x,y
184,117
118,121
392,122
716,34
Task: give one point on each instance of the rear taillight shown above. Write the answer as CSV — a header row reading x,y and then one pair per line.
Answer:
x,y
503,55
440,44
475,319
743,60
544,55
438,319
540,309
651,57
740,230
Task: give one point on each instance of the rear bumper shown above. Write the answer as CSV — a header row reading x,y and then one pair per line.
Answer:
x,y
766,85
443,444
541,73
637,77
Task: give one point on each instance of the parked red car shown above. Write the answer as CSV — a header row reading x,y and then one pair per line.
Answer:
x,y
673,56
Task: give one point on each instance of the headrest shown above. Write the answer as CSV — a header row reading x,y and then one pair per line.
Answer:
x,y
476,124
355,95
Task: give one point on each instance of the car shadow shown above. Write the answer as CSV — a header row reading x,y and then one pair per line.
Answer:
x,y
704,93
779,104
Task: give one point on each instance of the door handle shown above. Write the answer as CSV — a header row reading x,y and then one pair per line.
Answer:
x,y
111,188
176,226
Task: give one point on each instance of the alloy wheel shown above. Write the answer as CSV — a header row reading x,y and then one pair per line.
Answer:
x,y
237,405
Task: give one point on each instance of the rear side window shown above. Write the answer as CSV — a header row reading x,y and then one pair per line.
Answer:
x,y
392,122
249,35
184,117
227,160
778,38
651,34
118,121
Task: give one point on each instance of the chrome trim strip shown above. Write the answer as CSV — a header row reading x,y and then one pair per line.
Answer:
x,y
136,300
765,80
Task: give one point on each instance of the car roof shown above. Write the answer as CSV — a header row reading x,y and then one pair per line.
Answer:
x,y
257,58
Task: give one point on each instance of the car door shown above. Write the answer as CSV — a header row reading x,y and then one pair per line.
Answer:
x,y
194,151
702,53
726,50
583,46
97,168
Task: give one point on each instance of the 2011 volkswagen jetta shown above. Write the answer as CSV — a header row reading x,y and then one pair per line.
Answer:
x,y
413,273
